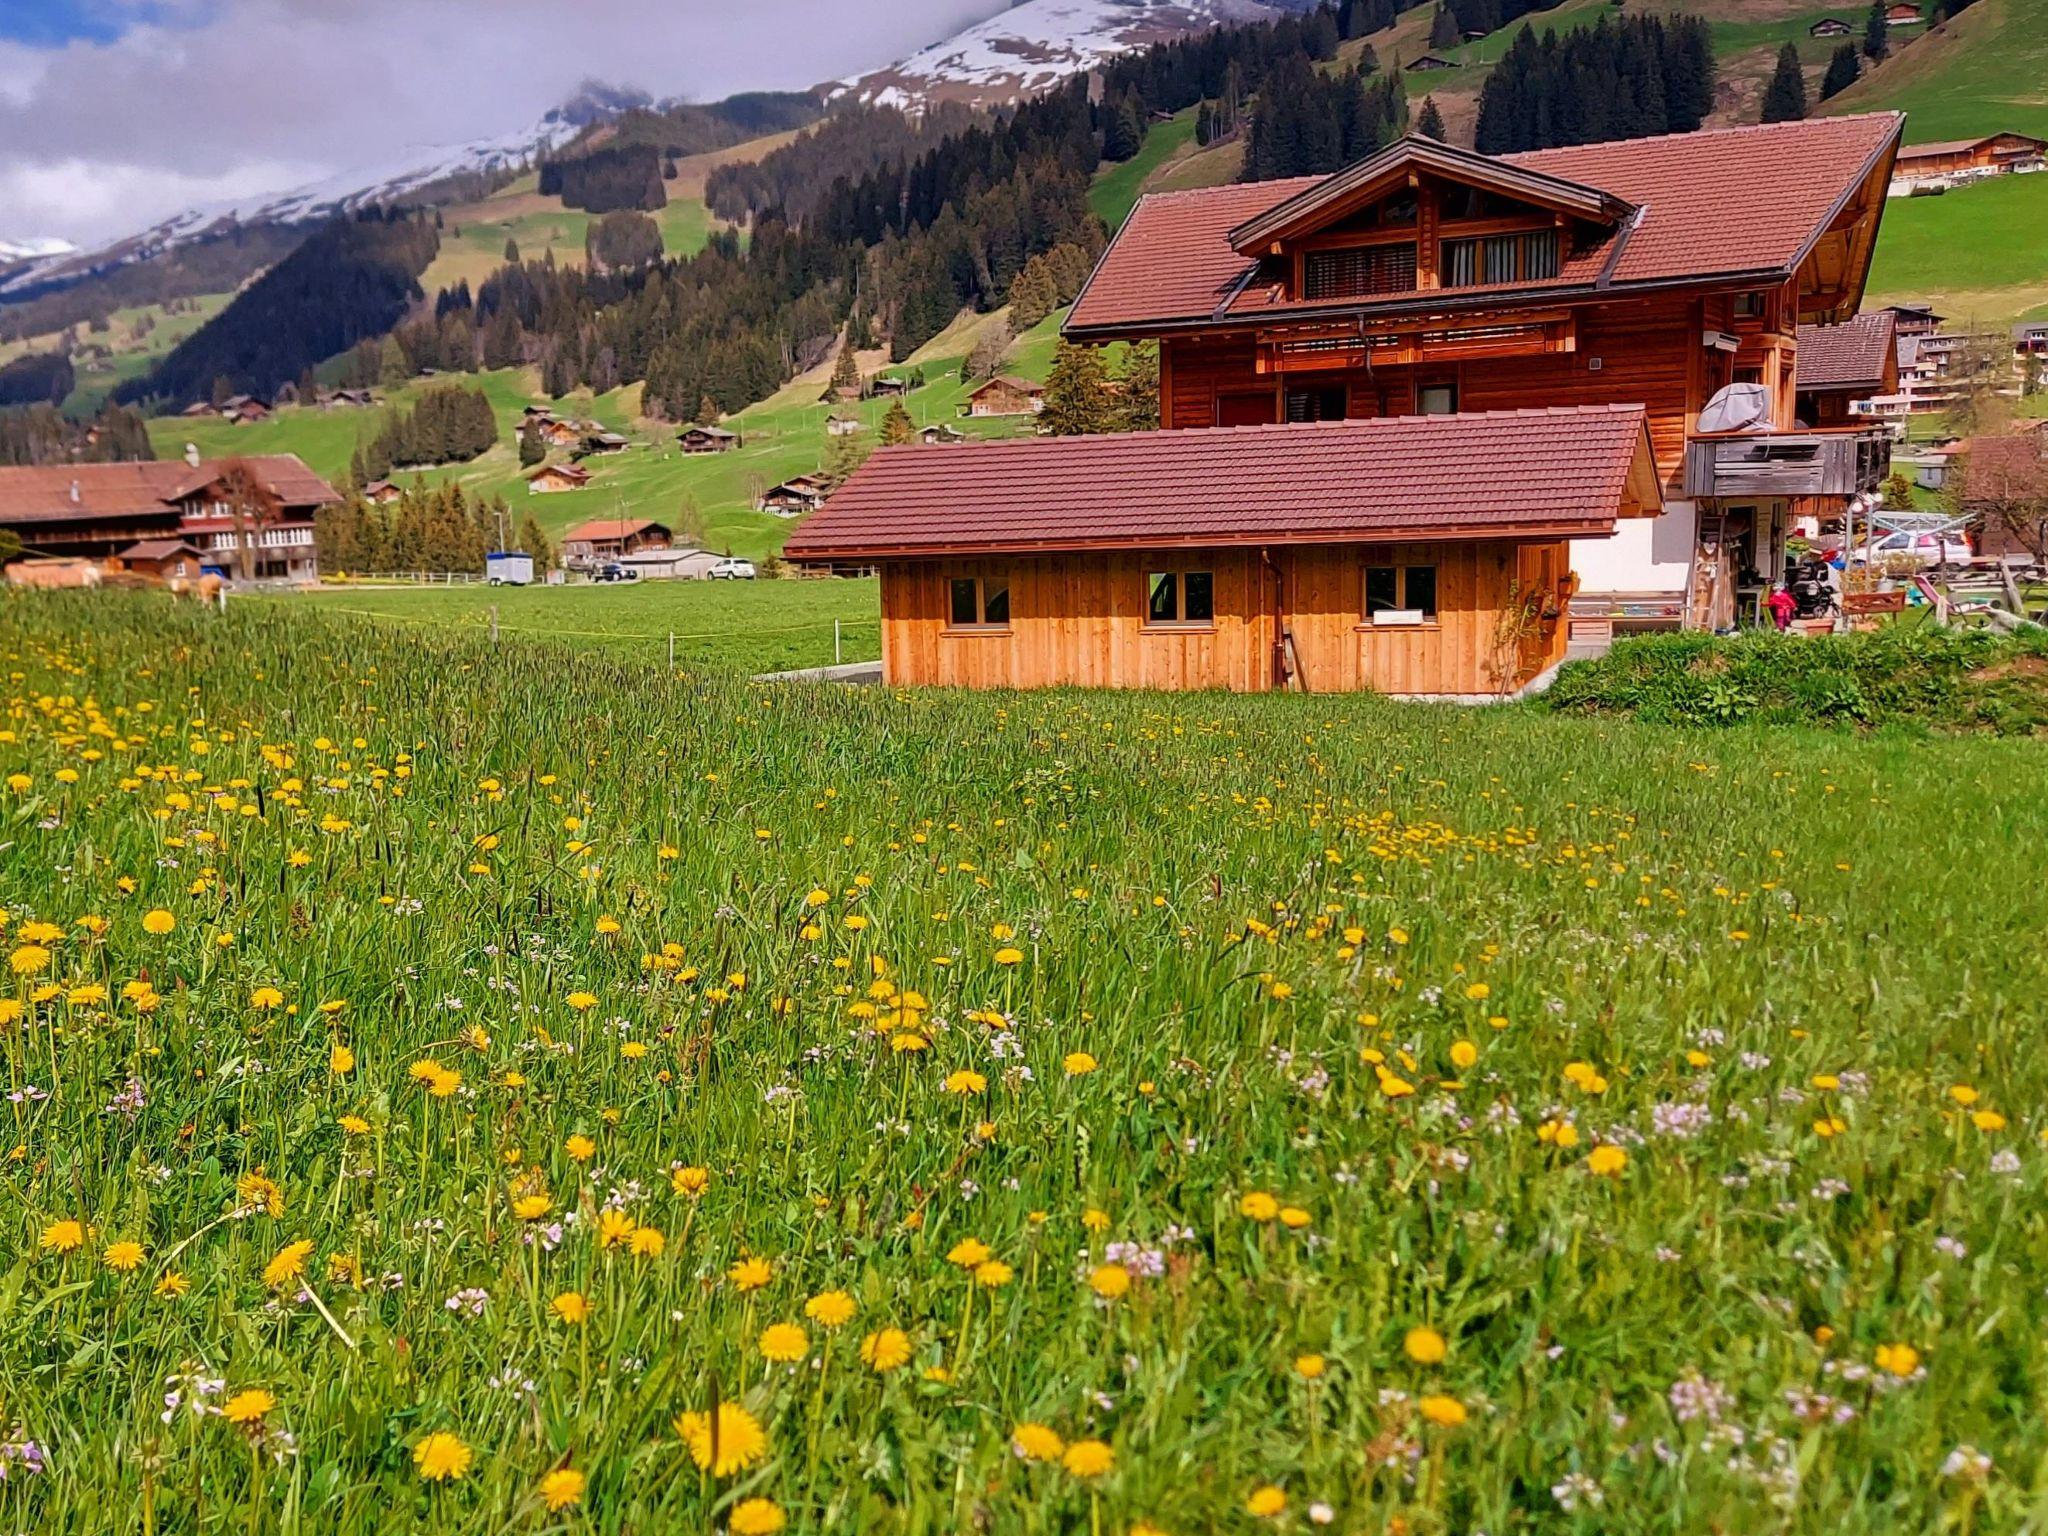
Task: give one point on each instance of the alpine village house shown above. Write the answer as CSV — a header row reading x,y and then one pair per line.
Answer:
x,y
1425,422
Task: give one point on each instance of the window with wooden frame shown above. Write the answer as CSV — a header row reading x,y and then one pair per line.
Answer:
x,y
1749,304
978,602
1179,599
1439,398
1400,595
1527,257
1355,272
1323,402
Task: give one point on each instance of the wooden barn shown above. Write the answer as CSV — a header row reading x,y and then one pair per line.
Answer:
x,y
1428,279
794,497
939,432
1411,555
1006,395
702,439
550,479
1992,155
162,559
1829,26
606,538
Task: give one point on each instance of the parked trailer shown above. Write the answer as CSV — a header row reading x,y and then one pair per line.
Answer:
x,y
503,569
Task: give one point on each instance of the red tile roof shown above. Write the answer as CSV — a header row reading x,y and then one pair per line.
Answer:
x,y
1958,146
600,530
1723,202
44,493
1501,474
1853,355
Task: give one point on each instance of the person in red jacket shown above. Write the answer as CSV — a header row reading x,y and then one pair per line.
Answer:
x,y
1781,605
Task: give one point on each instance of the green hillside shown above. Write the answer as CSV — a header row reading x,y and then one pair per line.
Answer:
x,y
784,435
1977,252
1984,71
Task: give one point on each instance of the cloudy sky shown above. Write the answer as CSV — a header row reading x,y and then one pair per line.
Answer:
x,y
116,113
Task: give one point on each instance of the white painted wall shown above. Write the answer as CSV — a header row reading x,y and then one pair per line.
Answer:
x,y
1646,554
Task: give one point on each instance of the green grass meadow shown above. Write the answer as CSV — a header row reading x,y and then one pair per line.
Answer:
x,y
1977,252
446,1079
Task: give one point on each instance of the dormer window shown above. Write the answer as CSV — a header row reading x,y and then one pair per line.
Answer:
x,y
1528,257
1359,271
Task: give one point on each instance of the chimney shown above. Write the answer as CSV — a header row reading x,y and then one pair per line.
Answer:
x,y
192,454
75,498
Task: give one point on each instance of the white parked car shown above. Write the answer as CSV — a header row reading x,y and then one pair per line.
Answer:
x,y
1928,549
730,569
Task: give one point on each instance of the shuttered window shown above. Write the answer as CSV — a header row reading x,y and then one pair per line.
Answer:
x,y
1363,270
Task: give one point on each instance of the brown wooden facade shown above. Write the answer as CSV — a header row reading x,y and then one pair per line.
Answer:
x,y
1081,620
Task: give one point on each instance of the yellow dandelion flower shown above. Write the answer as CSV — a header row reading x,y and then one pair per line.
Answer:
x,y
288,1263
1034,1442
784,1343
738,1444
570,1307
561,1488
885,1350
248,1407
830,1309
1088,1458
756,1517
441,1457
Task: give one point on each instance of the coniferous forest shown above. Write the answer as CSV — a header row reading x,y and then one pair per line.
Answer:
x,y
428,528
448,424
41,434
1612,80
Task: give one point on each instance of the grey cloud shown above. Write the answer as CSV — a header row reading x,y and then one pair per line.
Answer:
x,y
241,92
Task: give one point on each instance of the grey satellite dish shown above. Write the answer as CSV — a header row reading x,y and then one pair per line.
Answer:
x,y
1737,408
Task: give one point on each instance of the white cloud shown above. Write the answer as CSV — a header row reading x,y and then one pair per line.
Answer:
x,y
243,96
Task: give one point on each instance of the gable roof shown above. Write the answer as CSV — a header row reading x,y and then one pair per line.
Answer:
x,y
44,493
1307,208
1961,146
1699,216
1008,381
599,529
1500,474
1857,354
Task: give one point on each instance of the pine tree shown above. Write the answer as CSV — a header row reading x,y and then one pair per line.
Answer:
x,y
1431,122
1137,403
1075,401
536,544
531,449
1205,124
897,426
1785,97
845,383
1443,28
1844,69
392,367
1877,33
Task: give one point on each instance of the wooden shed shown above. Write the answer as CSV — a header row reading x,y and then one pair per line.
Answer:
x,y
1006,395
698,438
1422,556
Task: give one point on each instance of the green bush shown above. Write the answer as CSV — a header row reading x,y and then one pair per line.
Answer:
x,y
1943,679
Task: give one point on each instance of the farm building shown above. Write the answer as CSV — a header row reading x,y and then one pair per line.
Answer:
x,y
939,432
888,386
839,424
381,493
1903,15
597,444
344,399
608,538
1829,26
1841,365
1430,61
1377,554
1431,281
795,496
1006,395
1993,155
244,410
702,439
663,564
558,433
163,559
98,511
550,479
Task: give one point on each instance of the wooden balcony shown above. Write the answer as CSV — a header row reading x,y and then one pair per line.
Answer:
x,y
1818,461
1406,342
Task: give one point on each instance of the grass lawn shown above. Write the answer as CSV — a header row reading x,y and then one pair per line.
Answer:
x,y
782,436
445,1074
136,338
1977,253
757,626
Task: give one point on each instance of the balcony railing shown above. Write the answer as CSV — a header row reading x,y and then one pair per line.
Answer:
x,y
1818,461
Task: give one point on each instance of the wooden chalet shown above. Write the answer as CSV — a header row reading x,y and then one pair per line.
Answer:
x,y
162,559
939,432
1428,62
889,386
1432,280
381,493
794,497
696,438
1006,395
1829,26
557,432
598,444
1840,365
245,410
839,424
1992,155
101,511
552,479
607,538
1377,554
1903,15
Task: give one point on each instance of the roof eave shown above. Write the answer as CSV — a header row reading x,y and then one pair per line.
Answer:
x,y
1420,532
